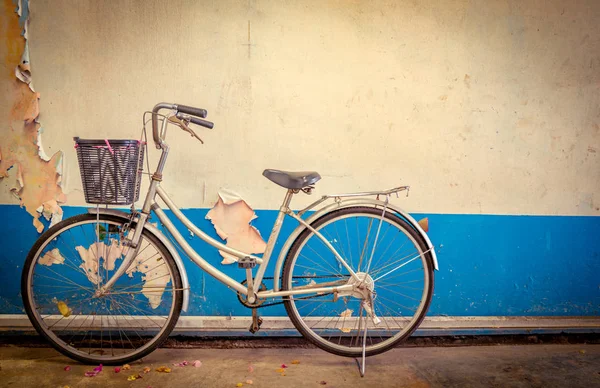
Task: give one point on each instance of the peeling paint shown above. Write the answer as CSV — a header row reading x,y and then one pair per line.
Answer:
x,y
346,314
155,277
51,257
37,177
23,69
91,256
41,153
231,217
90,262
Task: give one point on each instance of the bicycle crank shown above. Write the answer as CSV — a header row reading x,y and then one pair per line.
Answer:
x,y
256,322
244,298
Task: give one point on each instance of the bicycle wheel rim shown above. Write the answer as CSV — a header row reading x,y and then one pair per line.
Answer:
x,y
121,324
377,341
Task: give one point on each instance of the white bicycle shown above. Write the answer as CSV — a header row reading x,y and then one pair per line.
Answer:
x,y
356,275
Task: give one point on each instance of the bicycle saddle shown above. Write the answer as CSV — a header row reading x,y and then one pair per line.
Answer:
x,y
292,180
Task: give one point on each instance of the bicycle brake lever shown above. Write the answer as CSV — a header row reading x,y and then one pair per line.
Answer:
x,y
183,124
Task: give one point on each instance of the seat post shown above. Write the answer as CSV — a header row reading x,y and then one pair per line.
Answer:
x,y
278,222
273,237
287,200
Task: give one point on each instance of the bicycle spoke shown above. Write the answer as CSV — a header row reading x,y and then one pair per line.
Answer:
x,y
392,264
401,294
348,239
397,268
362,253
393,256
336,270
400,274
397,304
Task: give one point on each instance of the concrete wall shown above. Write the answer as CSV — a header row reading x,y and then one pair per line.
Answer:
x,y
488,109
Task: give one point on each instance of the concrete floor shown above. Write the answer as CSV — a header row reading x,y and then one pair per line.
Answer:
x,y
474,366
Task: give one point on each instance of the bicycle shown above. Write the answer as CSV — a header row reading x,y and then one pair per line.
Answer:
x,y
356,276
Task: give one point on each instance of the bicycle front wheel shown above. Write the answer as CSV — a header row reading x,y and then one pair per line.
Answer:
x,y
391,260
71,261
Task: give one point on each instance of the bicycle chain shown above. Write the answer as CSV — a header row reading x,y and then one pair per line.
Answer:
x,y
282,302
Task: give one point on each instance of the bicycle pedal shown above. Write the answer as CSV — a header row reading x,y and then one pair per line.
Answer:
x,y
255,326
256,322
247,262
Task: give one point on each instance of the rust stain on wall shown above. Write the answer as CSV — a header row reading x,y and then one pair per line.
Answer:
x,y
12,42
37,181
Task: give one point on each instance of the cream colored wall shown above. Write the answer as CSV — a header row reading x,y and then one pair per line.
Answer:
x,y
481,106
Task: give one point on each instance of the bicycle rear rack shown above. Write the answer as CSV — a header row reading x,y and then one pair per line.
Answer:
x,y
338,197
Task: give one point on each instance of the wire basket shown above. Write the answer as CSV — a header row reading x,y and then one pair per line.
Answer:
x,y
110,170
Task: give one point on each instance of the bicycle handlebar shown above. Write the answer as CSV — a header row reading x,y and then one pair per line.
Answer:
x,y
204,123
178,109
190,110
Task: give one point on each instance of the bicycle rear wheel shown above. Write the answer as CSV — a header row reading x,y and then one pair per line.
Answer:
x,y
390,258
72,260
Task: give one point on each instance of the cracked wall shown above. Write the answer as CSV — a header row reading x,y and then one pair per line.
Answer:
x,y
33,178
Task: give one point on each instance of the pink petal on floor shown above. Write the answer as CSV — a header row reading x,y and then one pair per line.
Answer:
x,y
67,368
197,364
250,368
283,366
117,369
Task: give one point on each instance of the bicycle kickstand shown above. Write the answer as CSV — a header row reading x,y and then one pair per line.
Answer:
x,y
361,366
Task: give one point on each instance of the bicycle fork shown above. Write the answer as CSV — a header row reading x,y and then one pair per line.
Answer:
x,y
133,243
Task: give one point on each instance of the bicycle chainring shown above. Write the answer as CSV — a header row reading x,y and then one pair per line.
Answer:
x,y
244,298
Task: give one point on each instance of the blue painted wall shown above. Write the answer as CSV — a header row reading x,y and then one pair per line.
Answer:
x,y
489,264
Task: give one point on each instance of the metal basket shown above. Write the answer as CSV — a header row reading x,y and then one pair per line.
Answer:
x,y
110,170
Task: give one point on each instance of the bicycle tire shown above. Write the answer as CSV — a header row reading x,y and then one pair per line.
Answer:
x,y
329,219
60,345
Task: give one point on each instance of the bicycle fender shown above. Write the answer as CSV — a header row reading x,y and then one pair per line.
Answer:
x,y
163,239
344,204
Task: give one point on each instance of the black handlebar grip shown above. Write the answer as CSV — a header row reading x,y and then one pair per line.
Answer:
x,y
190,110
204,123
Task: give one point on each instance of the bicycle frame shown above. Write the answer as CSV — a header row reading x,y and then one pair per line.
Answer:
x,y
262,262
150,205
